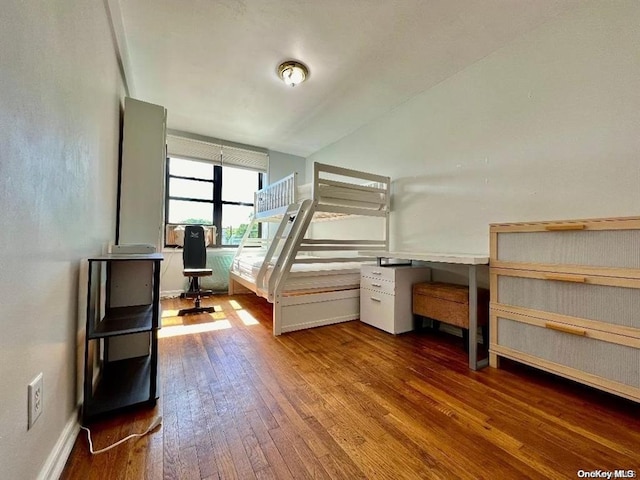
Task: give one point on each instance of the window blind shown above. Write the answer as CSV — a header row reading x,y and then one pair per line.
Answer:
x,y
219,154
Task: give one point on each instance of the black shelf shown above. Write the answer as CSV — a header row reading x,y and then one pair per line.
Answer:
x,y
123,321
126,288
124,383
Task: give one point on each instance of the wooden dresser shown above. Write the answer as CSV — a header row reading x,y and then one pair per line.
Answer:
x,y
565,297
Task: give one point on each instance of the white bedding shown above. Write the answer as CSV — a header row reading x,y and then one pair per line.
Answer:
x,y
249,266
303,275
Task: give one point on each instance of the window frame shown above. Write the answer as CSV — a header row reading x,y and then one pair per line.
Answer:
x,y
216,202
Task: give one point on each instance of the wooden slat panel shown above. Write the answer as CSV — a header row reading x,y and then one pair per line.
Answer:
x,y
620,223
632,273
320,168
331,241
354,186
337,209
616,281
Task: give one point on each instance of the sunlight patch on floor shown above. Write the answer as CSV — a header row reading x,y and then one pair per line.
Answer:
x,y
193,319
177,330
172,320
235,305
247,318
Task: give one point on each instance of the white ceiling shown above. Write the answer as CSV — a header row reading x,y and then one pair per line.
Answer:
x,y
212,63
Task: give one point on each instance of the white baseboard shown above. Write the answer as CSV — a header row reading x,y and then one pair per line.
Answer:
x,y
58,457
170,293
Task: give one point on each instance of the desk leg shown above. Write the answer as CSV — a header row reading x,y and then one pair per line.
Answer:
x,y
473,321
473,318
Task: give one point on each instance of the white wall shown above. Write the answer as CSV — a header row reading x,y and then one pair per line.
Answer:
x,y
283,164
60,97
547,127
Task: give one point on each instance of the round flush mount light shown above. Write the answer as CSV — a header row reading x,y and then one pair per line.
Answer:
x,y
292,73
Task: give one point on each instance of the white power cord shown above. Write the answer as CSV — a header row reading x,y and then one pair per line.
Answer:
x,y
156,423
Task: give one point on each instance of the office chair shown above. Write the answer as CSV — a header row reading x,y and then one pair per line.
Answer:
x,y
194,260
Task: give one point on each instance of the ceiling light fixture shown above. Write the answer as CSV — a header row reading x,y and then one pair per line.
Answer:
x,y
292,73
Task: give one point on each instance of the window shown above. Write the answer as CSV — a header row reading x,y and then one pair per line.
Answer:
x,y
204,193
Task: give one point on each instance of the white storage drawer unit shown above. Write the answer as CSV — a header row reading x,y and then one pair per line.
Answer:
x,y
565,297
385,296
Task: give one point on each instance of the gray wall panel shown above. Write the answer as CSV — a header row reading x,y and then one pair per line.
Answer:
x,y
616,305
598,248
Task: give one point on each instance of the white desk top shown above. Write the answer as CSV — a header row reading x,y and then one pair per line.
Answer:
x,y
127,256
460,258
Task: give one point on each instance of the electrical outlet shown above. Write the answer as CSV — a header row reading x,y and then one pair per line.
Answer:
x,y
35,399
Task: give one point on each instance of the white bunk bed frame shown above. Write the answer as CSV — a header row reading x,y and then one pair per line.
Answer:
x,y
318,295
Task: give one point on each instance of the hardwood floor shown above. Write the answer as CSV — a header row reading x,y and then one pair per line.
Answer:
x,y
348,401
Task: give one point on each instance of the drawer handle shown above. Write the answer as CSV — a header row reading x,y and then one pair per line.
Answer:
x,y
562,227
376,272
565,329
376,285
376,299
566,278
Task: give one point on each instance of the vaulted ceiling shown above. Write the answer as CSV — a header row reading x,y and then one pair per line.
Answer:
x,y
212,63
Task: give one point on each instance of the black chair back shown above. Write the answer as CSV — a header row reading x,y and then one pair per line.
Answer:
x,y
194,252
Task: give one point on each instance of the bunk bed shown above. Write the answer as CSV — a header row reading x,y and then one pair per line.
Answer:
x,y
311,281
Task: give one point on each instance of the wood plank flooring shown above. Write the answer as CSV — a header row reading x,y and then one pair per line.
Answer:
x,y
348,401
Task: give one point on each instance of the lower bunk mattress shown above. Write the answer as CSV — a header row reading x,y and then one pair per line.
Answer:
x,y
304,276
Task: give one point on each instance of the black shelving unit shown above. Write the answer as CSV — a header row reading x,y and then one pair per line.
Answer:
x,y
117,307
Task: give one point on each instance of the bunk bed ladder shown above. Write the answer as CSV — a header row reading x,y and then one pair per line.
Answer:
x,y
287,257
278,244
